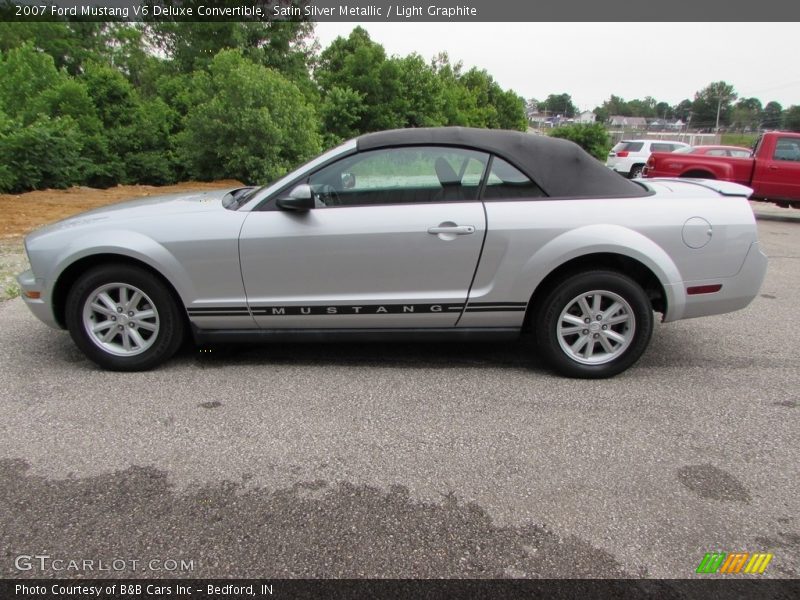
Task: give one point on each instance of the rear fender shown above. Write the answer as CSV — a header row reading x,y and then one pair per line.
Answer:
x,y
600,238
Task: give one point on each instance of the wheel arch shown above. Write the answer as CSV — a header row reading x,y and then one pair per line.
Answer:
x,y
72,272
609,261
698,174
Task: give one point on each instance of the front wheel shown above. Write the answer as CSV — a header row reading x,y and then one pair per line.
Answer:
x,y
123,318
593,324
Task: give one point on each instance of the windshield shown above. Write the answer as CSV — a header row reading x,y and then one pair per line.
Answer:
x,y
684,150
262,192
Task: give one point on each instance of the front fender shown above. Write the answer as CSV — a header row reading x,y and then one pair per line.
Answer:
x,y
600,238
127,243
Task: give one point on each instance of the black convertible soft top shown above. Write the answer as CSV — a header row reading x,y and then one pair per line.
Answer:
x,y
560,167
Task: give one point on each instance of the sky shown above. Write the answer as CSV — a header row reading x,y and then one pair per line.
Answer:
x,y
591,61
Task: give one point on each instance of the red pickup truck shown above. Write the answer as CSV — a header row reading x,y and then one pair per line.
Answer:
x,y
773,170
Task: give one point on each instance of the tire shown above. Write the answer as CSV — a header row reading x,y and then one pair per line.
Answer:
x,y
602,347
636,171
137,323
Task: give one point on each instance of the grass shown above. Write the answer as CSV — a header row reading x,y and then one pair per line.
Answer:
x,y
10,292
746,140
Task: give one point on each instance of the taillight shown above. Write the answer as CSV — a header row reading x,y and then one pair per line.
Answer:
x,y
622,153
651,162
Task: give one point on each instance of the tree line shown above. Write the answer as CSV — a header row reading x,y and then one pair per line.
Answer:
x,y
716,105
99,104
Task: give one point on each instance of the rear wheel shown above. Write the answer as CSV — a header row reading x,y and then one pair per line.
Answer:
x,y
636,171
123,318
594,324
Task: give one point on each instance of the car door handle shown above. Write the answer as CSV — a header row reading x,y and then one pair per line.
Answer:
x,y
453,229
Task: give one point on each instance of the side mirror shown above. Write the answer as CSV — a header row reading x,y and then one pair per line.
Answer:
x,y
299,199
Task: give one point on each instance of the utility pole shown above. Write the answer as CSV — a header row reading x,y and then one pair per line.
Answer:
x,y
720,97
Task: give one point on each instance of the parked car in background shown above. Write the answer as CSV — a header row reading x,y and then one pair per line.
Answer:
x,y
630,156
772,169
426,234
735,151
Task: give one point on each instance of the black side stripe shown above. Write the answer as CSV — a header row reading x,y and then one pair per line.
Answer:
x,y
496,309
219,311
474,304
353,309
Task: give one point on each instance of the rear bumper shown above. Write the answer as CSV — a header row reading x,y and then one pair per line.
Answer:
x,y
736,292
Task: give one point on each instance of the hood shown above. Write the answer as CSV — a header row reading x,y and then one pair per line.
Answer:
x,y
150,207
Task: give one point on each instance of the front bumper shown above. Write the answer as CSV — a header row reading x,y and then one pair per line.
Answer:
x,y
36,296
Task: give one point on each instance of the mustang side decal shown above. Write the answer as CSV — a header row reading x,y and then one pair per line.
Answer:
x,y
354,309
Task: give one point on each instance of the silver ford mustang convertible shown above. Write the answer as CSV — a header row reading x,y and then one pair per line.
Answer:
x,y
430,234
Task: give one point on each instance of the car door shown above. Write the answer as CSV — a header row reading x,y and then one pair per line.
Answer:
x,y
779,175
393,242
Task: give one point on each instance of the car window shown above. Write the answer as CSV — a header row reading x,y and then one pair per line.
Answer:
x,y
401,176
507,182
717,152
628,146
740,153
685,150
787,149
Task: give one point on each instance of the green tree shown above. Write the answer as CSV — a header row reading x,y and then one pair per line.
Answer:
x,y
252,123
44,154
340,112
746,114
683,110
591,137
772,116
491,106
664,111
70,44
137,132
712,105
510,110
612,107
36,96
643,108
358,63
459,105
791,118
559,104
421,103
281,45
25,73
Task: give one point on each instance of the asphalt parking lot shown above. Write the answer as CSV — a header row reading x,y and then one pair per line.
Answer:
x,y
409,460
